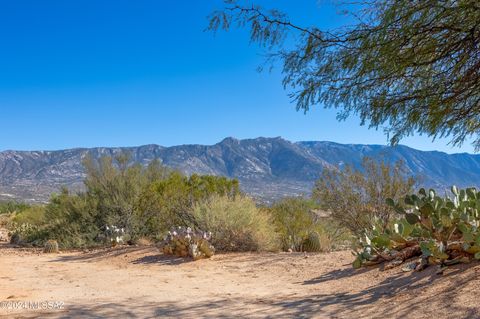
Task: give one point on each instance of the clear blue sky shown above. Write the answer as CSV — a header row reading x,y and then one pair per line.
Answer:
x,y
82,73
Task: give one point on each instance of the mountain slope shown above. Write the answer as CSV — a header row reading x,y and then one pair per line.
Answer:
x,y
267,168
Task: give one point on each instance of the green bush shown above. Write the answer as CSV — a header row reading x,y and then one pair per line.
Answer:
x,y
34,215
297,218
72,220
356,197
9,207
26,234
167,202
144,201
236,224
26,224
294,221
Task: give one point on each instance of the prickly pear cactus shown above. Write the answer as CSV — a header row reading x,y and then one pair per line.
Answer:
x,y
114,235
51,247
184,242
312,243
442,230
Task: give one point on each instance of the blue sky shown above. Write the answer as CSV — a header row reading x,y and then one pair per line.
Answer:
x,y
83,73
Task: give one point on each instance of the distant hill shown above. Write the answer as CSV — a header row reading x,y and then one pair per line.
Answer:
x,y
268,168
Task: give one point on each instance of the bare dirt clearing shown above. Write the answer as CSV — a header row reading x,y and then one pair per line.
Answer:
x,y
138,282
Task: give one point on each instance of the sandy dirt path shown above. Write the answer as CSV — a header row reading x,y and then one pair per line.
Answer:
x,y
138,282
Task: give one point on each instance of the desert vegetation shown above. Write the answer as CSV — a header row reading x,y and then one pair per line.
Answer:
x,y
407,67
372,209
146,203
402,66
369,209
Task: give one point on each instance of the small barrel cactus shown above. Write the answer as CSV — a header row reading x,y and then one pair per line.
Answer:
x,y
51,247
206,248
312,243
15,239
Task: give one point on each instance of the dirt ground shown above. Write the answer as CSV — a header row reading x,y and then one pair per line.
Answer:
x,y
139,282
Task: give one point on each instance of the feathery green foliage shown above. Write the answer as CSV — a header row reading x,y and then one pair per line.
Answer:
x,y
144,201
407,66
9,207
297,219
294,220
356,197
34,215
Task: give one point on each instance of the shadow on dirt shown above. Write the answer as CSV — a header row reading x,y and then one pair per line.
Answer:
x,y
151,255
161,259
406,286
341,305
338,274
103,253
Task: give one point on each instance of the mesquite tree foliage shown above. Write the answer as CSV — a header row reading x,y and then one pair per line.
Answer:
x,y
356,197
407,66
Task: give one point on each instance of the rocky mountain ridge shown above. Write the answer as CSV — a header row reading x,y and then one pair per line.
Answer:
x,y
267,168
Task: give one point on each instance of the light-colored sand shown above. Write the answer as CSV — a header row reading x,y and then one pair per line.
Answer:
x,y
138,282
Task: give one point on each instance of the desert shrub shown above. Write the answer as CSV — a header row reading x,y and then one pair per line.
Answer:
x,y
444,230
25,234
333,236
356,197
113,188
143,201
297,218
236,224
9,207
168,202
72,220
294,220
34,215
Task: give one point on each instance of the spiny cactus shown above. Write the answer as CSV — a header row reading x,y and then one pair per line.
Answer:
x,y
114,235
15,239
314,242
445,229
51,247
206,248
183,242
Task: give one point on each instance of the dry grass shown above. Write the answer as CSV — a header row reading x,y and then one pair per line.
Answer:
x,y
236,224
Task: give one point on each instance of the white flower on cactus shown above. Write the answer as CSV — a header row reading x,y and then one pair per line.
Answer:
x,y
367,240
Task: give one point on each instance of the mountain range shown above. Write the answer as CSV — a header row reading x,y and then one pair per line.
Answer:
x,y
267,168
